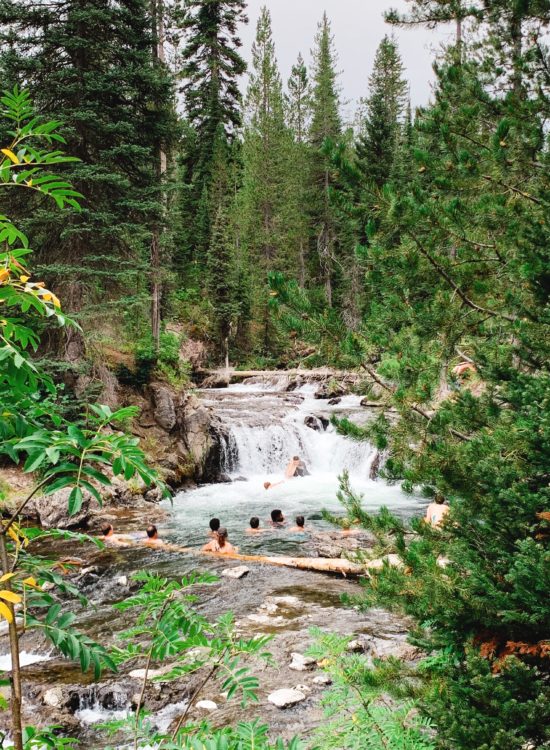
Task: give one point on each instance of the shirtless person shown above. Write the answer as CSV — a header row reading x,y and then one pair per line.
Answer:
x,y
254,526
109,536
299,528
436,511
277,518
292,467
219,545
270,485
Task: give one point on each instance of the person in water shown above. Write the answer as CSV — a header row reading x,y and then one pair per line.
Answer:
x,y
270,485
254,526
436,511
300,524
220,545
152,539
301,470
109,536
214,526
292,467
277,518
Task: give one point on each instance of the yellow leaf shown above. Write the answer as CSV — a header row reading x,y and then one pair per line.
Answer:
x,y
6,577
29,183
4,274
47,297
56,301
11,156
5,612
24,279
10,596
30,581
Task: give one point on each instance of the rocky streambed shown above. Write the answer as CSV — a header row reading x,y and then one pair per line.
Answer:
x,y
285,604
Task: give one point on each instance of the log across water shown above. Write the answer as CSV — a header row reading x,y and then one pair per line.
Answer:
x,y
320,564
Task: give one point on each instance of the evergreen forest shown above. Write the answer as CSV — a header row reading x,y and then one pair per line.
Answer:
x,y
175,215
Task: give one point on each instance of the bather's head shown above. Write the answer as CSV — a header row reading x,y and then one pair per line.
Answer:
x,y
300,521
277,516
214,524
439,499
295,458
254,522
222,536
152,532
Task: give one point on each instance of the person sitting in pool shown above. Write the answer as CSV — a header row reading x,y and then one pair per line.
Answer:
x,y
300,523
214,526
108,535
153,539
292,467
219,545
277,518
254,526
301,470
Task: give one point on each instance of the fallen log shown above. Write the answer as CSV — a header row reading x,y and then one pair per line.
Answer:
x,y
319,564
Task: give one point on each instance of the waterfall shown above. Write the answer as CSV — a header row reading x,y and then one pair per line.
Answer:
x,y
264,428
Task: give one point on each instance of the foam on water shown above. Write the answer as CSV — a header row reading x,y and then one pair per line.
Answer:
x,y
25,659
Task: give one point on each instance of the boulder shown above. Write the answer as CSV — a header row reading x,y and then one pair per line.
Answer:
x,y
313,423
55,698
238,572
286,697
217,380
164,410
322,679
334,401
53,510
368,404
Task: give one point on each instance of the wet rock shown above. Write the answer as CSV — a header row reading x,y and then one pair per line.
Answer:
x,y
224,479
238,572
334,544
266,620
53,510
205,705
55,698
217,380
356,646
334,401
286,697
301,663
164,410
313,423
240,479
369,404
153,495
122,581
330,389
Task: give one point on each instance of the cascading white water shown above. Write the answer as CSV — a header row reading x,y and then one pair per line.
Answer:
x,y
265,428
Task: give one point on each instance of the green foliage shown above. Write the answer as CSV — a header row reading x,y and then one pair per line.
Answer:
x,y
372,705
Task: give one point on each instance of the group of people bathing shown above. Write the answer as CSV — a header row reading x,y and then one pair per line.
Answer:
x,y
220,545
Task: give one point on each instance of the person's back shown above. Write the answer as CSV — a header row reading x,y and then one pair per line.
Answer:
x,y
300,525
220,545
254,527
436,511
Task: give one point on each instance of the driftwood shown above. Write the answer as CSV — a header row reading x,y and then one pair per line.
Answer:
x,y
320,564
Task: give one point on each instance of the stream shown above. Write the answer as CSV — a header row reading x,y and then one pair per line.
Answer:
x,y
265,425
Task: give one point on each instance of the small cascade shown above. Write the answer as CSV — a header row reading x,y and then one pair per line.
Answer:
x,y
94,708
264,427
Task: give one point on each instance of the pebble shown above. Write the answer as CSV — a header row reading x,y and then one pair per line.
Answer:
x,y
322,679
238,572
355,647
301,663
286,697
122,580
206,705
53,697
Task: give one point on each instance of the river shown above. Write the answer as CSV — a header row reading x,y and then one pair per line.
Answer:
x,y
265,426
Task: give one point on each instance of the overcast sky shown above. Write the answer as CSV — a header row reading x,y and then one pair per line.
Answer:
x,y
357,26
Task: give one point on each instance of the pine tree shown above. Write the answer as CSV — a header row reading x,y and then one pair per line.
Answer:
x,y
298,113
325,127
266,168
384,108
210,69
221,282
91,63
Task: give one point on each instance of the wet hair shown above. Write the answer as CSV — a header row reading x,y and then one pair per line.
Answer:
x,y
439,499
214,524
254,522
267,485
222,534
295,458
300,521
106,529
151,531
276,515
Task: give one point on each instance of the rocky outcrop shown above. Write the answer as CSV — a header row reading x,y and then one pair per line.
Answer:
x,y
164,410
53,510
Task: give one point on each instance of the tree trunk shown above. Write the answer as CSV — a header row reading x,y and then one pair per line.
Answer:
x,y
16,693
